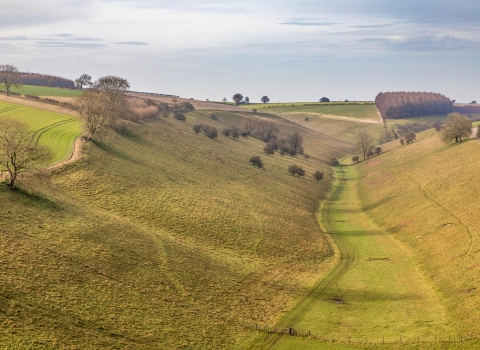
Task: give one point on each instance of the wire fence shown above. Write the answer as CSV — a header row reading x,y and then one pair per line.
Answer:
x,y
297,332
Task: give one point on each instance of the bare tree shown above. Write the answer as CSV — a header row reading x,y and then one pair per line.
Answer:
x,y
9,76
114,87
83,80
364,143
266,130
295,142
249,125
19,150
96,111
456,127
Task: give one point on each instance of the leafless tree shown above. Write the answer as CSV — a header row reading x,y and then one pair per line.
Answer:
x,y
96,111
364,143
249,125
19,150
295,141
266,130
9,76
83,80
114,87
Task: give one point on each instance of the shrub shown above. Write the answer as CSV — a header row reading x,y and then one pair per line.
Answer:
x,y
318,175
478,132
355,159
296,170
257,161
402,141
180,116
210,131
197,128
437,125
235,133
213,116
227,132
378,150
187,106
410,137
254,111
269,150
334,162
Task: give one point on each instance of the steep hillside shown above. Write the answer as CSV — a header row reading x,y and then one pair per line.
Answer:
x,y
160,238
426,195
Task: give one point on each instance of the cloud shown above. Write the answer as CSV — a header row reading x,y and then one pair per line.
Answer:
x,y
136,43
308,23
67,44
15,38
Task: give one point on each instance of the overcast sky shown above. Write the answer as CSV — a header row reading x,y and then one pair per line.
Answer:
x,y
289,50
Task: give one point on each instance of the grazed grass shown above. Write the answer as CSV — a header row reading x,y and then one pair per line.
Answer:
x,y
364,297
427,195
43,91
160,238
54,130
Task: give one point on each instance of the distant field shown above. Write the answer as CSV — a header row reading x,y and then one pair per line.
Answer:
x,y
44,91
350,110
54,130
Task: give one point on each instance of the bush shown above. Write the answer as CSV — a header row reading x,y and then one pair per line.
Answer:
x,y
187,106
235,133
378,150
410,137
437,125
334,162
179,116
355,159
257,161
402,141
296,170
213,116
254,111
197,128
318,175
227,132
210,131
269,150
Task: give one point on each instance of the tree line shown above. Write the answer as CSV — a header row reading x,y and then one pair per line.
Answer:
x,y
397,105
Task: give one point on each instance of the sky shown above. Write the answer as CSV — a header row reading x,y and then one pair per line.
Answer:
x,y
288,50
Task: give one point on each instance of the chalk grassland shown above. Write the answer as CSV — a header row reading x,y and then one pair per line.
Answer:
x,y
43,91
426,194
375,292
160,238
56,131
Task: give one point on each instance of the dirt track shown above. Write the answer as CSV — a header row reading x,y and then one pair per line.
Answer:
x,y
36,104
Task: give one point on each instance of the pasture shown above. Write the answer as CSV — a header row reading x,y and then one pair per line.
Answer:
x,y
42,91
160,238
56,131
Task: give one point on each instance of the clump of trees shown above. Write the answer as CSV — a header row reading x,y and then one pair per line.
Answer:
x,y
19,150
396,105
296,170
256,161
456,127
10,77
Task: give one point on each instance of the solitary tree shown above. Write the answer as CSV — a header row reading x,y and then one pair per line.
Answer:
x,y
114,87
266,130
456,127
318,175
295,141
364,143
83,80
224,100
210,131
265,99
238,98
324,99
19,150
247,100
473,102
9,76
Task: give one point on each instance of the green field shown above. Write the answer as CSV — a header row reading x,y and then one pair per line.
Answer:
x,y
56,131
44,91
350,110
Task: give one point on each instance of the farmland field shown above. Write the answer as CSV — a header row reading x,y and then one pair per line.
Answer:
x,y
44,91
56,131
349,110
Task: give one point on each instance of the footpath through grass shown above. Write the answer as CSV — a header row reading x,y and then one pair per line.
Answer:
x,y
376,292
54,130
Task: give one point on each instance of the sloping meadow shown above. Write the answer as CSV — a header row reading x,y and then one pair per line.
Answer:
x,y
427,195
161,238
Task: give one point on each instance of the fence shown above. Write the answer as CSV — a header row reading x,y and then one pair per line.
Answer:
x,y
361,340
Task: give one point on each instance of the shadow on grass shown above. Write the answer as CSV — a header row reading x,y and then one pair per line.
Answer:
x,y
114,152
27,197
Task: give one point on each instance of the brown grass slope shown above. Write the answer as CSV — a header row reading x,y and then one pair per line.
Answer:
x,y
160,238
426,194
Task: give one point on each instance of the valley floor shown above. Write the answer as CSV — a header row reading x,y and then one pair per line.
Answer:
x,y
375,294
